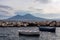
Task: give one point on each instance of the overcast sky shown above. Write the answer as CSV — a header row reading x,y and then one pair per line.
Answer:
x,y
44,8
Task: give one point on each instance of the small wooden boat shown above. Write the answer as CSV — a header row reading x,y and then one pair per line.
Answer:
x,y
28,33
47,29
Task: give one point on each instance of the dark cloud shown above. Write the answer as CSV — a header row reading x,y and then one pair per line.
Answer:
x,y
6,7
43,1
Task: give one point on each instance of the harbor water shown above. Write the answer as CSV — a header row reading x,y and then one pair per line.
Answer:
x,y
11,33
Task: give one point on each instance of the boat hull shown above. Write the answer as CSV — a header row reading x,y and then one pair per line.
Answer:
x,y
47,29
29,33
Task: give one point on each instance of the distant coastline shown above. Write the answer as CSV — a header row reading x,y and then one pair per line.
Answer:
x,y
28,23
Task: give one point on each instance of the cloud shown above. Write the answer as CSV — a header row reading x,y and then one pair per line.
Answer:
x,y
46,8
6,11
47,16
6,7
34,10
43,1
21,12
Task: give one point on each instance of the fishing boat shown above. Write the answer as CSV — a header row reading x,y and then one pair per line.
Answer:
x,y
28,33
47,29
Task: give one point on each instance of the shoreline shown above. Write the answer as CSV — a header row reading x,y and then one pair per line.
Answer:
x,y
30,24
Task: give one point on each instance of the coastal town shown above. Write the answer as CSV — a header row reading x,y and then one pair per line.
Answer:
x,y
26,24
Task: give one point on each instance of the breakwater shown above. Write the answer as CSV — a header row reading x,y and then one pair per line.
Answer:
x,y
25,24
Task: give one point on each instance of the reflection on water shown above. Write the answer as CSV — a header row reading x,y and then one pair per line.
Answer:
x,y
47,36
11,33
28,38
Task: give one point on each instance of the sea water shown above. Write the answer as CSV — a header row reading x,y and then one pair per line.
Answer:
x,y
11,33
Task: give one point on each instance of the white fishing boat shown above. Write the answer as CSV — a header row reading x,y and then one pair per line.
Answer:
x,y
28,33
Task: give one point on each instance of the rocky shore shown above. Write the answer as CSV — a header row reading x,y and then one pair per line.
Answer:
x,y
25,24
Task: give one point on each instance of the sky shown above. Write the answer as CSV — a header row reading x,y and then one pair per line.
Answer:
x,y
49,9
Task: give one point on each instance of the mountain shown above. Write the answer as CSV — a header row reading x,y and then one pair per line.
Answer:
x,y
27,17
